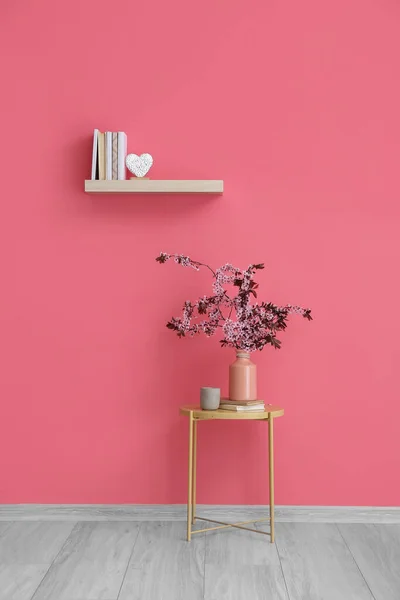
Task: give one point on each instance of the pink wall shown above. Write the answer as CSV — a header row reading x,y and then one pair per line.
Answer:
x,y
296,106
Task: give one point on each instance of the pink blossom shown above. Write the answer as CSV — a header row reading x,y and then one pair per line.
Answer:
x,y
245,325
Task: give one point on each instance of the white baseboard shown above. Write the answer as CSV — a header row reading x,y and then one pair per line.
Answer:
x,y
177,512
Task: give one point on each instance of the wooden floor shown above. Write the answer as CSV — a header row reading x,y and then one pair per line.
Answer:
x,y
45,560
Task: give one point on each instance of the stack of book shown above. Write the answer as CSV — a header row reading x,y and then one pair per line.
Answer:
x,y
242,405
109,154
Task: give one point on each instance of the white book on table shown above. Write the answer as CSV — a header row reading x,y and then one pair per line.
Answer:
x,y
122,150
236,408
94,153
108,145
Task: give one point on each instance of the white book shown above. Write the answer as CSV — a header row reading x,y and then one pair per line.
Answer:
x,y
122,150
94,153
253,408
108,145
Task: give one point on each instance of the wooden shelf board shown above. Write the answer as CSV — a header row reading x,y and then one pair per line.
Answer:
x,y
155,186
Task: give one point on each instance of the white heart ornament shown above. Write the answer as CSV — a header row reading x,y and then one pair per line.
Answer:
x,y
139,165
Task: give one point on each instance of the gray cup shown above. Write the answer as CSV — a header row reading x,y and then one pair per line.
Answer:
x,y
210,398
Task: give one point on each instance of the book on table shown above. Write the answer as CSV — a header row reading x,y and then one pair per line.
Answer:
x,y
241,402
259,407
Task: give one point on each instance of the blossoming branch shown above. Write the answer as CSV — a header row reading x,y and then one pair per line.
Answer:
x,y
245,326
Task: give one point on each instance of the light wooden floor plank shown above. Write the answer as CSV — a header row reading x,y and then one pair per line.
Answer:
x,y
19,582
241,565
164,566
4,525
33,542
91,564
317,564
376,549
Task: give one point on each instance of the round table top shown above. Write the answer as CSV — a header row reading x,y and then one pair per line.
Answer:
x,y
199,413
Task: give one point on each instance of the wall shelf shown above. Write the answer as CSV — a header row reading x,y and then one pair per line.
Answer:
x,y
155,186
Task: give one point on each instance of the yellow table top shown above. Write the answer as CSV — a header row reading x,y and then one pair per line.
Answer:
x,y
203,415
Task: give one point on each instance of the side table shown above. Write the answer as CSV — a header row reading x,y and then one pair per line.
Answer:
x,y
195,414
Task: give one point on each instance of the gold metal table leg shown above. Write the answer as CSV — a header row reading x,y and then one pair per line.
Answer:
x,y
190,479
271,475
194,471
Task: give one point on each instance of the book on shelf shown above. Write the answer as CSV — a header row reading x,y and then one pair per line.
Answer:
x,y
95,174
108,155
122,151
260,407
101,156
114,155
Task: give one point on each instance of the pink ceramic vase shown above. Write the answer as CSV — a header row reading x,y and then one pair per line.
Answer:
x,y
242,378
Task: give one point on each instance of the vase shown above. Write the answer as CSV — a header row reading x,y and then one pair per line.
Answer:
x,y
242,378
